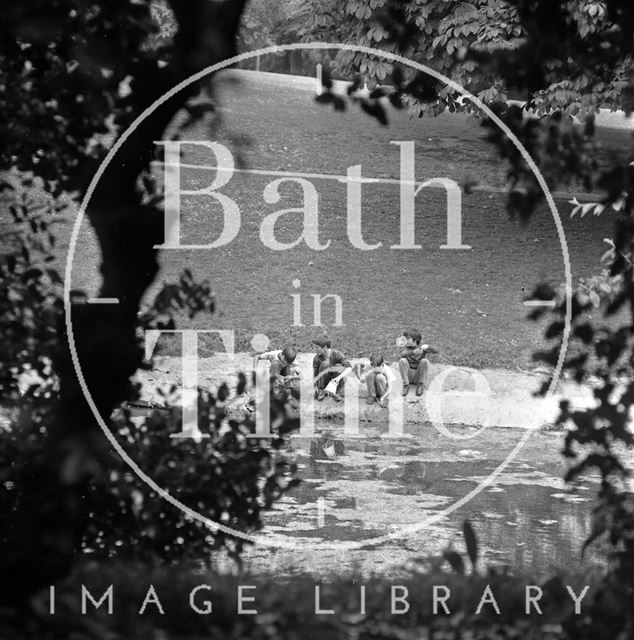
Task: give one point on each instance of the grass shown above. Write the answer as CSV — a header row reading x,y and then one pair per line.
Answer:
x,y
467,303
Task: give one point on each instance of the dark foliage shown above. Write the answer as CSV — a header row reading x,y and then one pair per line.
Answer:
x,y
74,76
229,478
281,616
571,58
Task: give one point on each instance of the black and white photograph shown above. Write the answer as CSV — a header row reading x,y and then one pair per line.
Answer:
x,y
316,320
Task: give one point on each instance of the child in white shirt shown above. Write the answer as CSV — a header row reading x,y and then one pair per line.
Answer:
x,y
376,380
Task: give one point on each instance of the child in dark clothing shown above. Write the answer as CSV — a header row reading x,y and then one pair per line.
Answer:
x,y
329,366
281,370
413,365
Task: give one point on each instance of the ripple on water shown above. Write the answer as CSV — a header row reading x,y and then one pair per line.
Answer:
x,y
526,518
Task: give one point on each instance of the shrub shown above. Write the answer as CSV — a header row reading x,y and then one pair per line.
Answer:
x,y
228,477
280,616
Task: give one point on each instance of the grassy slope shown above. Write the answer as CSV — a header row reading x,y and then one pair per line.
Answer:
x,y
467,303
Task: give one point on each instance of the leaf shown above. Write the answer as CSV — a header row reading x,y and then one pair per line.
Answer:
x,y
599,527
396,100
197,111
378,92
375,110
355,86
549,357
324,98
33,273
423,88
223,392
397,76
471,542
338,103
455,561
585,333
326,78
554,330
242,384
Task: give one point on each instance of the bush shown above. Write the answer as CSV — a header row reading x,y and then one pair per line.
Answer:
x,y
280,616
228,478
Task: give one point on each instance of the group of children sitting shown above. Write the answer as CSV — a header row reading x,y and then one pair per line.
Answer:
x,y
331,367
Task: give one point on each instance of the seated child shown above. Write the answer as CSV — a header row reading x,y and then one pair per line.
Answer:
x,y
281,370
376,380
413,364
329,366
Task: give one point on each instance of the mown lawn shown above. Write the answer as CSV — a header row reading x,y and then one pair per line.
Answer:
x,y
468,303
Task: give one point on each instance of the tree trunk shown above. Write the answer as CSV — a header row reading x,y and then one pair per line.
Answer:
x,y
41,549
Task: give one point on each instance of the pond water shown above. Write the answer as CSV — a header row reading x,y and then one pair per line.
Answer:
x,y
375,486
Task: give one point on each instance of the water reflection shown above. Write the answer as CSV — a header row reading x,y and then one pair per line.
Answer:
x,y
371,486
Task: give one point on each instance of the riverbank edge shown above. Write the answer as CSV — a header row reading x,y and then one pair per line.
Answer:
x,y
453,395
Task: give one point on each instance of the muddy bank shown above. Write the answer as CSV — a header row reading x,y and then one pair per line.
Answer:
x,y
453,396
